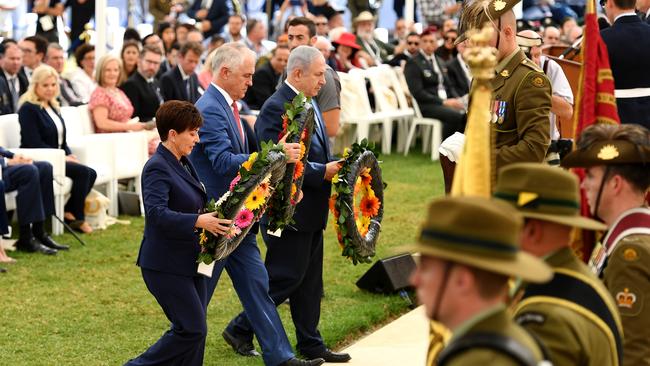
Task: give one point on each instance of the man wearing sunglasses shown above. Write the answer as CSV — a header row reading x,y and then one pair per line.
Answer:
x,y
412,49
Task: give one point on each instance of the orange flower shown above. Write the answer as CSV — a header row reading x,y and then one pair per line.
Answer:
x,y
298,170
285,122
365,176
370,206
303,149
332,203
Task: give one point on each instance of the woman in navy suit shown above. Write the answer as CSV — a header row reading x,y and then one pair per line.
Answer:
x,y
173,200
41,126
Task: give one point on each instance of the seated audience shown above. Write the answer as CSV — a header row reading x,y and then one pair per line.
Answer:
x,y
13,83
448,50
379,51
458,74
233,30
181,32
166,33
205,76
34,202
346,50
255,34
194,35
152,39
266,78
210,16
55,57
169,61
130,54
181,82
34,49
322,28
111,109
4,228
41,126
142,88
412,49
82,78
325,47
426,82
551,36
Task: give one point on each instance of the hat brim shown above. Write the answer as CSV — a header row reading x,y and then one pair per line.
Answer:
x,y
573,221
524,265
351,45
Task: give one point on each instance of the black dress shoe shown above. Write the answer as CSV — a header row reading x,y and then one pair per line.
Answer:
x,y
2,270
330,356
298,362
34,245
243,347
50,243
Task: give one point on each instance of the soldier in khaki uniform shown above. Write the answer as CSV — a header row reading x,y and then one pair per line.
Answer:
x,y
467,255
617,162
522,92
573,315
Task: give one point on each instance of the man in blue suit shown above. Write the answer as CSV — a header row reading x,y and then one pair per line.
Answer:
x,y
225,144
628,46
295,259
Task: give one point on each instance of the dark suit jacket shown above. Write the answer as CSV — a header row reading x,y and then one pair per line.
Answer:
x,y
6,101
458,82
628,45
145,101
311,213
217,15
423,81
173,198
264,82
172,86
220,153
37,129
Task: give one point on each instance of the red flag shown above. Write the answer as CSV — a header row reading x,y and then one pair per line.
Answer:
x,y
596,103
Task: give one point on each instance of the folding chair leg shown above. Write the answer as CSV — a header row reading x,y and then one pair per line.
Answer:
x,y
409,138
436,139
387,135
426,140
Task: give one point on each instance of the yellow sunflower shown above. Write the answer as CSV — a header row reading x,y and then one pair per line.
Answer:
x,y
303,149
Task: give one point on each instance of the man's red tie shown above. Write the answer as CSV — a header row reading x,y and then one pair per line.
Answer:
x,y
235,110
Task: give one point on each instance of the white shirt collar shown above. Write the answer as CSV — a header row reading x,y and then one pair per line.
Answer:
x,y
184,76
9,76
225,94
628,13
291,86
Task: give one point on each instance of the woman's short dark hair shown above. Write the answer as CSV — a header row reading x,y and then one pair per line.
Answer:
x,y
177,115
81,52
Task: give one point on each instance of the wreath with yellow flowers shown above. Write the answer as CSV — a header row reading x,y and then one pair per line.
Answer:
x,y
298,125
358,203
245,201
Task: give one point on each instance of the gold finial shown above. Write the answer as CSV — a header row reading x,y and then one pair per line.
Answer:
x,y
480,56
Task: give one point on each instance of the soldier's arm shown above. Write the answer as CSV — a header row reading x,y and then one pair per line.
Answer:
x,y
627,277
532,107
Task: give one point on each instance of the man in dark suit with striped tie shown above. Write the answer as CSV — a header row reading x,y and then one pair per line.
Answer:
x,y
181,82
294,260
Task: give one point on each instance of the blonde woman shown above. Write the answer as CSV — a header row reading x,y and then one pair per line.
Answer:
x,y
41,126
111,109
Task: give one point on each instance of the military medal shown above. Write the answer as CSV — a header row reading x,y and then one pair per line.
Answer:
x,y
597,259
427,73
498,111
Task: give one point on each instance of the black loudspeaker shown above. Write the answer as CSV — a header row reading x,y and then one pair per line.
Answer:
x,y
388,274
128,203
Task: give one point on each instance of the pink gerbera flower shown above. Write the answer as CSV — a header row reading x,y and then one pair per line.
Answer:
x,y
244,218
234,182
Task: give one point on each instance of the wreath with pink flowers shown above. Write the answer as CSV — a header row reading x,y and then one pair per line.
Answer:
x,y
298,124
245,201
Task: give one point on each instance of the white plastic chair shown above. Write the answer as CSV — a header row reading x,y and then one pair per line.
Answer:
x,y
355,109
432,131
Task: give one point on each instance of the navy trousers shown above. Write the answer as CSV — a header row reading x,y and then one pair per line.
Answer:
x,y
295,265
83,179
251,281
34,182
183,299
4,220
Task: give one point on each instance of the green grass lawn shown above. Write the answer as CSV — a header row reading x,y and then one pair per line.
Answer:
x,y
89,306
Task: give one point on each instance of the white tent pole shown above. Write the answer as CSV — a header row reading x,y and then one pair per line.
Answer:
x,y
100,29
